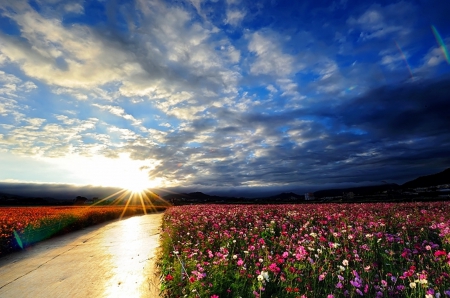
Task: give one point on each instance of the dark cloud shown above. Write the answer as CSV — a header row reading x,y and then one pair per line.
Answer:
x,y
56,191
390,133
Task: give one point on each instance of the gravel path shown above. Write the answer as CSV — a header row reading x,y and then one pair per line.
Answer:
x,y
115,259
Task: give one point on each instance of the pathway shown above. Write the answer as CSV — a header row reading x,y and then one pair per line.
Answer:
x,y
115,259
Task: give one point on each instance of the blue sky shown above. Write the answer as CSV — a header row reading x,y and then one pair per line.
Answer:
x,y
223,95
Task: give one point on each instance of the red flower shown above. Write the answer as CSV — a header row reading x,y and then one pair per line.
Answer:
x,y
169,277
439,253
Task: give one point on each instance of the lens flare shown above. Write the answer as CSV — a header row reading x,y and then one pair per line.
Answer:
x,y
150,201
441,44
404,59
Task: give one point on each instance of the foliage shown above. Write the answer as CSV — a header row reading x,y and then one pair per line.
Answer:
x,y
327,250
23,226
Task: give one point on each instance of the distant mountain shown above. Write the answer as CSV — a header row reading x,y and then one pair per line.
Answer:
x,y
285,196
429,180
362,190
10,199
201,197
197,196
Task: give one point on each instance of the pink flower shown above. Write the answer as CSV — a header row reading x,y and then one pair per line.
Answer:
x,y
240,262
214,296
322,276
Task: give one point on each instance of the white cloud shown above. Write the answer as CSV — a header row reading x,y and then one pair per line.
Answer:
x,y
76,8
13,86
118,111
432,59
270,58
235,17
3,59
65,56
378,21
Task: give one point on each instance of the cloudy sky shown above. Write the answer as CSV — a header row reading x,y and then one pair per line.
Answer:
x,y
223,95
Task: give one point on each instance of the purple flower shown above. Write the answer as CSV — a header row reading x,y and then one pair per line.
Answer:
x,y
355,284
400,287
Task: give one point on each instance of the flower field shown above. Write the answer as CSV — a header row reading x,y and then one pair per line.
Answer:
x,y
307,250
22,226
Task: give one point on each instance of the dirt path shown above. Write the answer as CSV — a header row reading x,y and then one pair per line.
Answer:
x,y
115,259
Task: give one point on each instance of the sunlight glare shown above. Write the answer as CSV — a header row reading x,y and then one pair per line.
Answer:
x,y
122,172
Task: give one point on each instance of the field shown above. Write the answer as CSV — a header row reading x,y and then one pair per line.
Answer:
x,y
327,250
23,226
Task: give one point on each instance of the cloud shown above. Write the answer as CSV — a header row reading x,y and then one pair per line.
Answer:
x,y
235,17
76,8
119,111
247,95
381,21
269,57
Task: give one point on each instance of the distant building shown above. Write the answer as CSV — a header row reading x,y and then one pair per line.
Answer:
x,y
309,196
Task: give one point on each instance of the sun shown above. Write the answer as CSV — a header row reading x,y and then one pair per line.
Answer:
x,y
135,186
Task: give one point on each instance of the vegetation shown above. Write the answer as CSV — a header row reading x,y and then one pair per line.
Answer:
x,y
23,226
320,250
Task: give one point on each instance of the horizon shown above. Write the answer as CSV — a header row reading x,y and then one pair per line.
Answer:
x,y
69,192
225,96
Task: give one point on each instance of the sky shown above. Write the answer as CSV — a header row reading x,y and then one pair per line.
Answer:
x,y
223,96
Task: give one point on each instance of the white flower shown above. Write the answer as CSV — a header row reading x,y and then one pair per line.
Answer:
x,y
234,257
260,277
423,281
412,285
261,260
265,274
345,262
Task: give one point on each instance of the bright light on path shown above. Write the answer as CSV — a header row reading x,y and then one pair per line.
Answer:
x,y
109,260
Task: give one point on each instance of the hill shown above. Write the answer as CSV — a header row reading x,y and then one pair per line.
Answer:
x,y
15,200
429,180
362,190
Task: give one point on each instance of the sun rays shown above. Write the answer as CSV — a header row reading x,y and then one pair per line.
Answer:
x,y
135,196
